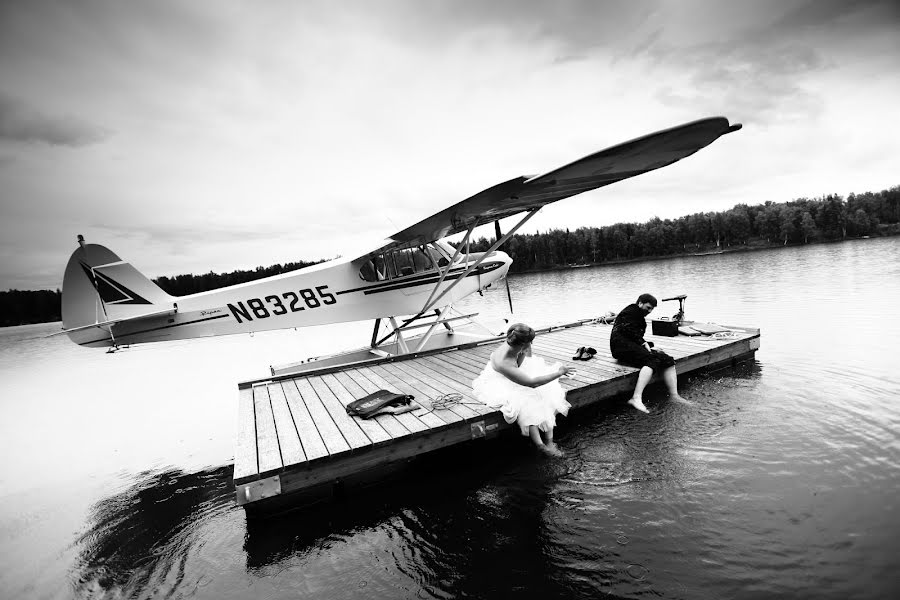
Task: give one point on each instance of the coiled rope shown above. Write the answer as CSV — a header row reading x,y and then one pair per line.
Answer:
x,y
723,335
447,401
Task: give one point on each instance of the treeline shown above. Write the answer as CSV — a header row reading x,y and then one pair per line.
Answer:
x,y
22,307
183,285
800,221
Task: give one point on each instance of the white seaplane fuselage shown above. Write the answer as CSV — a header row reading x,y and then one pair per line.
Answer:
x,y
331,292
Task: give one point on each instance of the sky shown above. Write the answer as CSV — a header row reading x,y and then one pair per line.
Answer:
x,y
217,135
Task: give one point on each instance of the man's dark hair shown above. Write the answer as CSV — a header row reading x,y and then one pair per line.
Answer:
x,y
646,298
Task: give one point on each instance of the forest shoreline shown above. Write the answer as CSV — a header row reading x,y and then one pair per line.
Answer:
x,y
727,250
44,297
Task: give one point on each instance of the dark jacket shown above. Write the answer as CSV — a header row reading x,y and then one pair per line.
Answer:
x,y
628,328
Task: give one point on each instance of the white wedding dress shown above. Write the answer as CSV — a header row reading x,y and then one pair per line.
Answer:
x,y
524,405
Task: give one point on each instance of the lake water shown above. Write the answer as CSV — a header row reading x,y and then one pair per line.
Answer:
x,y
782,481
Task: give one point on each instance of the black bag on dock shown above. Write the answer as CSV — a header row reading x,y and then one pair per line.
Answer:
x,y
667,327
369,406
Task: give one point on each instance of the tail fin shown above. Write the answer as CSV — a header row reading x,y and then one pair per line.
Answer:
x,y
98,287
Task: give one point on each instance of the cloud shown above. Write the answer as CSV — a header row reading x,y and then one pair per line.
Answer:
x,y
20,122
763,84
857,14
577,26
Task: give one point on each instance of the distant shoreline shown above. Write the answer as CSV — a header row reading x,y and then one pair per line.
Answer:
x,y
703,251
751,247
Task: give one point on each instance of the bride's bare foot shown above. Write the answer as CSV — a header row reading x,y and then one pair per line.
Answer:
x,y
552,449
680,400
639,404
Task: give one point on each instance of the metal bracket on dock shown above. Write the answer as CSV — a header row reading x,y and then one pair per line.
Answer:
x,y
478,430
258,490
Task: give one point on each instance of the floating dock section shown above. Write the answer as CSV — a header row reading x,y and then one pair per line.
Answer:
x,y
297,443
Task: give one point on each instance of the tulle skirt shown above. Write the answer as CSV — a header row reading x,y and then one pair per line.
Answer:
x,y
518,403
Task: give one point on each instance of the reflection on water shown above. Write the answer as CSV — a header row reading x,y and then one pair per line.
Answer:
x,y
141,539
781,481
430,524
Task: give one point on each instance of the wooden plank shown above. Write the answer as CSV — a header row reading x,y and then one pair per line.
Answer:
x,y
313,445
600,364
348,427
420,380
575,379
372,383
561,342
464,371
464,359
438,377
571,341
404,448
566,382
580,378
609,367
570,345
391,425
245,465
464,376
268,452
437,374
288,439
328,430
576,339
476,366
589,371
678,346
421,395
473,363
681,341
371,428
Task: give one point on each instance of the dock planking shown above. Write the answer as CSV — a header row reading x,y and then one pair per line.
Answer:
x,y
294,434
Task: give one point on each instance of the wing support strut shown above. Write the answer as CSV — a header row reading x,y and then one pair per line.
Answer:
x,y
442,315
430,303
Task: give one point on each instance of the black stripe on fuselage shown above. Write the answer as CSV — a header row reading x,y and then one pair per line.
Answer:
x,y
425,279
406,279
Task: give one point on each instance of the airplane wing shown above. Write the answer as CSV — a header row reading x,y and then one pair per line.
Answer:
x,y
602,168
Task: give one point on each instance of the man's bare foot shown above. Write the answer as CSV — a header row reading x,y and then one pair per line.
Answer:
x,y
680,400
639,404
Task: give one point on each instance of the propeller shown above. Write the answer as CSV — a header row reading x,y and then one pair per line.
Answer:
x,y
506,279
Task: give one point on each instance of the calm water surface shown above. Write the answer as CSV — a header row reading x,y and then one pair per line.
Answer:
x,y
782,481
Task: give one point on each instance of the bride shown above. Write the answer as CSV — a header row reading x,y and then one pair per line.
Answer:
x,y
524,388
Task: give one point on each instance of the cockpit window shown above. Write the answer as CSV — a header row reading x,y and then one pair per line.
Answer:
x,y
401,263
438,257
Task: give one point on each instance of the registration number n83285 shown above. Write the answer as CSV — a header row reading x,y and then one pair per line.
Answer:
x,y
281,304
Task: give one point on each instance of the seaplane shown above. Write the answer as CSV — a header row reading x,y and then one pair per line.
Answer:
x,y
409,281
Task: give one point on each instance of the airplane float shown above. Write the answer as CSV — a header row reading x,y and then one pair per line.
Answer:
x,y
106,302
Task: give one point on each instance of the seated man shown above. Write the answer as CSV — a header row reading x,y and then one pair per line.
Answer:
x,y
626,342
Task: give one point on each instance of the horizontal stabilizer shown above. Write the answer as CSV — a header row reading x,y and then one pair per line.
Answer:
x,y
159,313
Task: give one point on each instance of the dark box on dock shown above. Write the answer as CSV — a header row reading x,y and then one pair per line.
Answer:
x,y
664,327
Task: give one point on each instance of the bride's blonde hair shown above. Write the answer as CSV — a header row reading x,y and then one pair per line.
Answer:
x,y
519,335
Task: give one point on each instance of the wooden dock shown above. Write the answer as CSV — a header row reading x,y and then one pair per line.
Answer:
x,y
295,439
